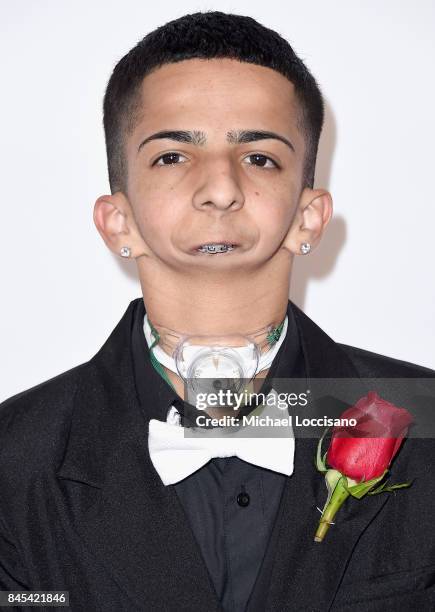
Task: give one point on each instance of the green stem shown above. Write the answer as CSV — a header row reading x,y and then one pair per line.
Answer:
x,y
339,495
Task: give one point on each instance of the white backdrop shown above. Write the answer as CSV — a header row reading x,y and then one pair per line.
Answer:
x,y
371,281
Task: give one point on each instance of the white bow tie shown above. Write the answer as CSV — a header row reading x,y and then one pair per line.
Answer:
x,y
175,456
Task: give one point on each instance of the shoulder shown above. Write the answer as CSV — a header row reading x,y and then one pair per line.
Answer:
x,y
374,365
34,423
47,399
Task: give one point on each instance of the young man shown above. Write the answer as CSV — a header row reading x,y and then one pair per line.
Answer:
x,y
212,125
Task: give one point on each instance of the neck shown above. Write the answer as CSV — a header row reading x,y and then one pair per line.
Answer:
x,y
214,303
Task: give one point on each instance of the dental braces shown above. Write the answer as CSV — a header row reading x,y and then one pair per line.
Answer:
x,y
216,248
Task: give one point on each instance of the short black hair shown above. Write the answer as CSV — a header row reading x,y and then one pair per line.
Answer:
x,y
206,35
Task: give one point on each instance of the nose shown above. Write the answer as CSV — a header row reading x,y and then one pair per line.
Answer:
x,y
219,190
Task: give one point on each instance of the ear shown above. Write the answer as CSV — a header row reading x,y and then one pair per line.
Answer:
x,y
114,220
313,214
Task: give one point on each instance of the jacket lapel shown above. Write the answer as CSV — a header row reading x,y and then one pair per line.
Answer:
x,y
131,522
303,574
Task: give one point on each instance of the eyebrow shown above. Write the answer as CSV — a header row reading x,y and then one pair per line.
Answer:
x,y
199,138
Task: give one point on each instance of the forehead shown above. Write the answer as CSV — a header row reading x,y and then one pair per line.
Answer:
x,y
218,94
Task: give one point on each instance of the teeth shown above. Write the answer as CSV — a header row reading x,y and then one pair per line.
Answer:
x,y
215,248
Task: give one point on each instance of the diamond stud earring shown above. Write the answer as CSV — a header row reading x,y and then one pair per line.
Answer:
x,y
125,251
305,248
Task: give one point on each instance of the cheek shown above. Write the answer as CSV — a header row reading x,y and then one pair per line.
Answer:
x,y
153,216
273,215
158,205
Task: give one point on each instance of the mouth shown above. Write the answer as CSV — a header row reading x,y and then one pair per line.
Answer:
x,y
215,248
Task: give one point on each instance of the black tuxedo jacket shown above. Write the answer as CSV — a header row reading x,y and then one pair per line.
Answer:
x,y
82,508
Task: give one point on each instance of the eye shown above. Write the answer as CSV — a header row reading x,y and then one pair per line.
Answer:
x,y
168,159
261,161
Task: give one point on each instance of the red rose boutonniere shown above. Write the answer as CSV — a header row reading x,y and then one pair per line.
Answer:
x,y
359,456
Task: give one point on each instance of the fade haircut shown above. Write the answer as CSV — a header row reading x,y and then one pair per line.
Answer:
x,y
205,35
